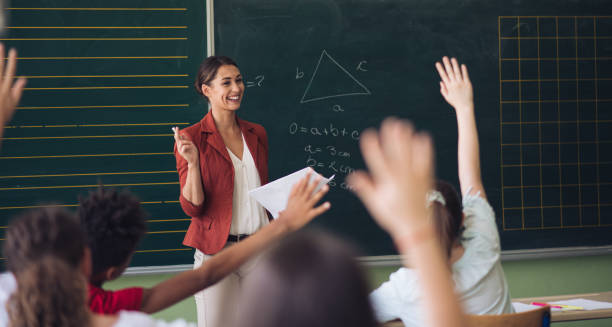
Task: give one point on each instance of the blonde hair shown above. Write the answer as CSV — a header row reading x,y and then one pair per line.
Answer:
x,y
50,293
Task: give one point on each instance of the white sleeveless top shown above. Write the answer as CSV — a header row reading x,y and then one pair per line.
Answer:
x,y
247,214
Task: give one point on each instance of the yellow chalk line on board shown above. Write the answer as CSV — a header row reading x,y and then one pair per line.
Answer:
x,y
149,221
96,39
103,76
83,186
93,125
112,106
103,9
106,87
96,27
76,205
90,155
81,137
92,174
150,251
115,57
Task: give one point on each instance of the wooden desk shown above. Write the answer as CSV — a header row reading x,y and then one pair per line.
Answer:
x,y
574,314
557,316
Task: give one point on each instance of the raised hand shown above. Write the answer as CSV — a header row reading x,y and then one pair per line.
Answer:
x,y
186,148
302,200
400,163
455,86
10,92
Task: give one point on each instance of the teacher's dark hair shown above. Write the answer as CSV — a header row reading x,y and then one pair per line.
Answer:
x,y
310,279
208,71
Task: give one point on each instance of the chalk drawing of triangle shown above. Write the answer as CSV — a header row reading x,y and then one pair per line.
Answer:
x,y
331,80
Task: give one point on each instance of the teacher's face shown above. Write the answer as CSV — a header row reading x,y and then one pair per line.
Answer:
x,y
226,89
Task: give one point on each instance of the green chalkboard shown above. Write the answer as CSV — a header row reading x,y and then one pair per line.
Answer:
x,y
106,82
319,72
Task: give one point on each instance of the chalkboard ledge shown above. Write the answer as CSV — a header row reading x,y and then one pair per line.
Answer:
x,y
395,260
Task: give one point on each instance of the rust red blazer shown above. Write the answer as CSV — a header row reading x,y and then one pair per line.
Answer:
x,y
210,221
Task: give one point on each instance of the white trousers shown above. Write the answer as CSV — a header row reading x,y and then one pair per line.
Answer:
x,y
216,303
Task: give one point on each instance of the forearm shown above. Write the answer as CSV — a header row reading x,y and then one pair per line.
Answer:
x,y
439,299
468,154
192,190
212,270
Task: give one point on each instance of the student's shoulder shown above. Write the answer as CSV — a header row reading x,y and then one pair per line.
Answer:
x,y
8,284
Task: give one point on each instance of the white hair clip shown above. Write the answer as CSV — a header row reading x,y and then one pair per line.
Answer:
x,y
434,195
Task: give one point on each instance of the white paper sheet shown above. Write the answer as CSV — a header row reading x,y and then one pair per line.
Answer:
x,y
522,307
274,195
586,304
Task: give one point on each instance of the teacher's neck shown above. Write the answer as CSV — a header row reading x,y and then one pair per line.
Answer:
x,y
225,120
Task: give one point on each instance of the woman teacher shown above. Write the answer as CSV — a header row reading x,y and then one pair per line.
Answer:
x,y
219,160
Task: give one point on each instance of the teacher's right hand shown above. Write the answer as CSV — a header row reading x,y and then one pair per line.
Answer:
x,y
186,148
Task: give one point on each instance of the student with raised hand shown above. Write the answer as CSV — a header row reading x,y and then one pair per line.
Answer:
x,y
10,92
466,229
115,223
401,169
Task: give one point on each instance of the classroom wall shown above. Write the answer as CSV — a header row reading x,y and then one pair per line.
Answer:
x,y
526,278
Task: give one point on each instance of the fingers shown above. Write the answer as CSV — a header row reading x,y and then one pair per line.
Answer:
x,y
298,188
10,71
320,209
448,68
396,136
362,184
310,186
442,73
176,135
1,59
17,89
318,195
372,153
464,70
456,69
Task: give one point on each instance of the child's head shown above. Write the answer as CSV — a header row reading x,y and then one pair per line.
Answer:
x,y
46,250
448,215
308,280
46,231
114,223
50,292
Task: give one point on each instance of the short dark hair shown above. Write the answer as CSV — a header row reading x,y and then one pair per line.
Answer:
x,y
114,222
45,231
208,71
311,279
448,218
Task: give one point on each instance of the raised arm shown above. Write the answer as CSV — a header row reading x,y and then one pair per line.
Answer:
x,y
400,164
9,93
300,210
188,166
456,89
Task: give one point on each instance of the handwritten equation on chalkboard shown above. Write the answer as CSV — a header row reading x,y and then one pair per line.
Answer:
x,y
330,147
334,156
